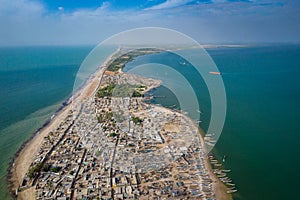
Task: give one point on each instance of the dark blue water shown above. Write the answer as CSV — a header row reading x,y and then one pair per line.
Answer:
x,y
261,133
34,81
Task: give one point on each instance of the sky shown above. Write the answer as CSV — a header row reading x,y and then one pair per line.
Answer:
x,y
79,22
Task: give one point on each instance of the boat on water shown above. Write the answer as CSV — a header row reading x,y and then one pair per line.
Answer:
x,y
231,191
215,73
183,63
224,179
230,184
232,188
221,175
226,170
209,134
224,158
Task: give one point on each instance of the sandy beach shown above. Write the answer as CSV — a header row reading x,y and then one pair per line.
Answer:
x,y
27,154
25,157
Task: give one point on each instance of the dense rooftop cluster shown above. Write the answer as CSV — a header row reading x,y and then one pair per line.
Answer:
x,y
119,147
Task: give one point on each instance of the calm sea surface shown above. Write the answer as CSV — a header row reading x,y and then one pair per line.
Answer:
x,y
261,135
34,81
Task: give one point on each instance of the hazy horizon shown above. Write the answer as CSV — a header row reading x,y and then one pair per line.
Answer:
x,y
204,45
47,22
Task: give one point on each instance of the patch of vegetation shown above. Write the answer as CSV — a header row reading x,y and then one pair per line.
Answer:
x,y
104,128
97,153
71,172
124,90
47,167
136,120
131,145
112,135
55,169
143,87
100,119
108,116
137,94
106,91
34,170
121,61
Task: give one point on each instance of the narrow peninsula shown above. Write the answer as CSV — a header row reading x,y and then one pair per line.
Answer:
x,y
110,144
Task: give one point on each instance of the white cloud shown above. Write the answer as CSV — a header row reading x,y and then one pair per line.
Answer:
x,y
104,5
169,4
20,8
60,8
27,22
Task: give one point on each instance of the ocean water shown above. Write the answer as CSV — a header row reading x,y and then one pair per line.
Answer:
x,y
34,81
261,134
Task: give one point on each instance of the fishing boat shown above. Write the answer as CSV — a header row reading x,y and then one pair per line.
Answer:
x,y
232,188
231,191
215,73
230,184
221,175
226,170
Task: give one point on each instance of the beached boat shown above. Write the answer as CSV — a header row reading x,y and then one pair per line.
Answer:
x,y
231,191
230,184
226,170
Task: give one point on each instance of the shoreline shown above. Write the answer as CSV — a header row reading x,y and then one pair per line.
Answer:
x,y
37,132
219,187
25,155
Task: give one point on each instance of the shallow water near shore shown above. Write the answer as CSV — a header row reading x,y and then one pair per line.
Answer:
x,y
34,81
260,137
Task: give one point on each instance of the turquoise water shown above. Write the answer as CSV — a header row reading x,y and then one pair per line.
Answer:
x,y
260,137
261,134
34,81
